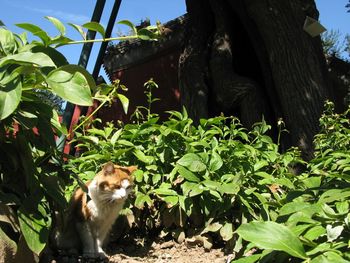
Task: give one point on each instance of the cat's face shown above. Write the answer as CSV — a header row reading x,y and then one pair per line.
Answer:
x,y
114,183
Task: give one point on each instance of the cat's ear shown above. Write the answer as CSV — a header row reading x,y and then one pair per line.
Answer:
x,y
108,168
132,169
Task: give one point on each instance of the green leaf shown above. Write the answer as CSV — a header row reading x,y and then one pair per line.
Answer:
x,y
92,140
271,235
216,194
248,259
193,162
116,136
58,24
34,227
73,87
7,41
213,227
300,228
38,59
320,248
342,207
285,182
10,97
196,190
138,175
156,178
212,185
230,188
97,132
215,162
299,206
129,24
146,34
75,68
188,175
124,101
315,232
141,199
164,191
187,187
334,195
142,157
23,38
61,41
79,29
172,200
264,175
125,143
36,31
260,164
226,231
55,122
56,56
329,257
94,26
312,182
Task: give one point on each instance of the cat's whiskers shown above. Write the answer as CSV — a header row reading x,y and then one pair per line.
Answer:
x,y
107,198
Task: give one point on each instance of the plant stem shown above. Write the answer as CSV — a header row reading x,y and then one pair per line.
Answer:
x,y
88,117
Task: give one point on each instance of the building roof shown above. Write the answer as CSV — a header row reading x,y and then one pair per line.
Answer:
x,y
127,53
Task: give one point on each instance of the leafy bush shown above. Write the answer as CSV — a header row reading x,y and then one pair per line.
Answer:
x,y
218,181
194,180
31,175
315,214
30,166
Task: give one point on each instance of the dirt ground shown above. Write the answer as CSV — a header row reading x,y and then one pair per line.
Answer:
x,y
156,251
161,252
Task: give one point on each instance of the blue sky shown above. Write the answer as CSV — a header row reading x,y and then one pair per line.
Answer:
x,y
333,15
79,12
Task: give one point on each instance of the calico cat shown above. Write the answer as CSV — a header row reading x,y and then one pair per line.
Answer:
x,y
91,215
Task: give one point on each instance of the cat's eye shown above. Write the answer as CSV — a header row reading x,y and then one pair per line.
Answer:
x,y
115,186
102,185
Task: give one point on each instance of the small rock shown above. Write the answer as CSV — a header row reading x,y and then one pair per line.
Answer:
x,y
166,256
166,245
230,258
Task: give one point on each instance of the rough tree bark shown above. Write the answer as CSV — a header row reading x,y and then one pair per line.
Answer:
x,y
193,66
230,89
292,82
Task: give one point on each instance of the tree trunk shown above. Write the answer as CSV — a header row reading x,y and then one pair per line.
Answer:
x,y
292,79
230,89
193,63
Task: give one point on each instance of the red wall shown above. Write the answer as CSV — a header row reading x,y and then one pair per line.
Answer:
x,y
163,69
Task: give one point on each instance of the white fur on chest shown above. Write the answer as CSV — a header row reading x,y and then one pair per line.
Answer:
x,y
104,208
104,214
